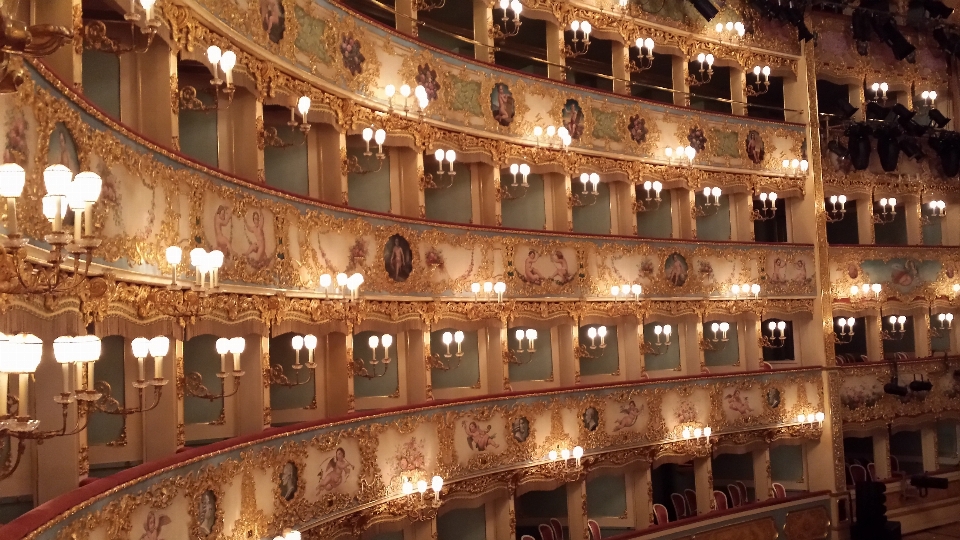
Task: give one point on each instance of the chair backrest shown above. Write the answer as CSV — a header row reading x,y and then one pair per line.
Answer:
x,y
691,497
744,498
557,528
779,492
872,471
661,514
594,529
721,500
679,505
858,473
735,498
546,532
527,537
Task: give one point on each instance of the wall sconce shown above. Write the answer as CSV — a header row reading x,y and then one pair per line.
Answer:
x,y
663,334
226,61
650,203
513,356
622,292
768,207
303,107
761,83
696,433
590,183
835,214
846,331
506,193
563,136
346,286
508,27
420,93
888,211
484,292
206,264
929,98
938,209
157,347
277,375
368,134
436,484
565,455
810,418
897,328
706,71
682,155
709,208
581,39
359,366
597,331
956,289
944,324
95,37
732,28
746,290
288,534
880,91
436,362
795,168
193,382
419,509
428,181
55,276
864,290
719,339
645,60
777,337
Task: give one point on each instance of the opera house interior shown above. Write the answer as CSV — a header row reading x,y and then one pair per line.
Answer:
x,y
479,269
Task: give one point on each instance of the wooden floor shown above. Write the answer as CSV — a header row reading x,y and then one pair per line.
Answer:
x,y
946,532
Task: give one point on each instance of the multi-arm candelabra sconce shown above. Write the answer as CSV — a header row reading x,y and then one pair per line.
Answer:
x,y
485,291
663,333
436,361
680,156
521,355
745,291
845,335
718,341
645,58
768,207
373,368
419,93
711,204
414,503
430,180
837,213
515,190
95,32
897,328
218,60
761,81
795,168
563,136
929,98
943,325
879,91
368,134
777,338
277,375
731,28
580,43
193,382
694,439
584,352
344,286
861,292
652,202
509,26
705,74
888,211
589,194
625,291
938,209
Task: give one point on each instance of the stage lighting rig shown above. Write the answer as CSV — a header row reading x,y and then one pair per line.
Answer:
x,y
705,8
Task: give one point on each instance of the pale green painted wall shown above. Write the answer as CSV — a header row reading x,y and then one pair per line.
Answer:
x,y
655,223
607,496
608,359
380,386
527,212
595,218
105,428
933,232
101,80
947,439
198,134
369,191
670,358
730,353
200,355
462,524
539,364
452,204
467,373
286,168
282,353
786,463
547,504
715,226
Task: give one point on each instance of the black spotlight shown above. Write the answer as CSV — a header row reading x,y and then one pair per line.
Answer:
x,y
925,481
705,8
937,9
911,127
888,147
858,143
947,40
938,118
840,151
862,30
902,112
894,388
947,146
878,112
911,148
886,28
846,109
921,386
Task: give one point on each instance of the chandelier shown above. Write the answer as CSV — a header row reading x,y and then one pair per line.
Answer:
x,y
70,256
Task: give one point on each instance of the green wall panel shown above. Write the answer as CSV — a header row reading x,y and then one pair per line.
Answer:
x,y
670,358
527,212
381,386
452,204
729,355
786,463
200,356
607,359
286,168
198,134
105,428
715,226
538,365
101,80
282,353
594,218
462,524
369,191
466,372
655,223
607,496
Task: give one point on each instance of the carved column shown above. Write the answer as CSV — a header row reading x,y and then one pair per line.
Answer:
x,y
638,478
738,90
621,57
680,72
482,28
407,17
881,453
66,61
148,81
762,482
555,56
253,397
928,440
161,426
61,461
577,510
703,478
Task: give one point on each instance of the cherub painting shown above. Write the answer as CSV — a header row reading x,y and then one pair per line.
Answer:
x,y
559,273
530,272
562,274
675,269
223,229
16,149
335,472
502,104
630,413
478,438
153,525
272,19
779,271
573,118
738,404
256,253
